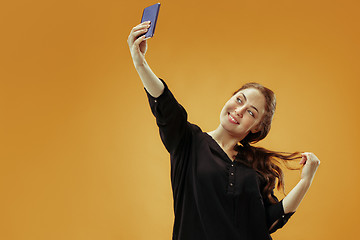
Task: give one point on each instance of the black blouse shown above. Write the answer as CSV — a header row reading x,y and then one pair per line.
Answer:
x,y
214,197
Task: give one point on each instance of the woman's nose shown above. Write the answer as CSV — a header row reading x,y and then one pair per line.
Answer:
x,y
239,112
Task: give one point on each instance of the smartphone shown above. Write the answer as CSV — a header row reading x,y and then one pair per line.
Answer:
x,y
151,14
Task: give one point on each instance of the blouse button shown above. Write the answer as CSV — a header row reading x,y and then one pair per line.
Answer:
x,y
232,174
155,100
231,184
232,165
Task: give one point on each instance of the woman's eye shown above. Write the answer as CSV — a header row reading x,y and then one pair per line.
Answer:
x,y
251,113
239,100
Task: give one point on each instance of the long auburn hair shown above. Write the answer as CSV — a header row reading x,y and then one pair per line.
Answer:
x,y
264,161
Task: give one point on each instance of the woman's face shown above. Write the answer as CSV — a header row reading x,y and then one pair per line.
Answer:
x,y
243,112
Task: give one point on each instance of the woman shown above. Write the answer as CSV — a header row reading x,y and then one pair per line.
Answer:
x,y
222,186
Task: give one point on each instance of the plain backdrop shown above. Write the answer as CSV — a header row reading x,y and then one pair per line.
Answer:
x,y
80,155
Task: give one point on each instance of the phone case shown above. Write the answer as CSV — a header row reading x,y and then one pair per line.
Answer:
x,y
151,14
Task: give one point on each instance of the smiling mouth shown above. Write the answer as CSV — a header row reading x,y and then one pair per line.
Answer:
x,y
231,119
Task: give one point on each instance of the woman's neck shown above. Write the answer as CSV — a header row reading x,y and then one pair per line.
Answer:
x,y
226,141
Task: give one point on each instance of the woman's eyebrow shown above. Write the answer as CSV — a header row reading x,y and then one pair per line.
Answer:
x,y
244,96
251,105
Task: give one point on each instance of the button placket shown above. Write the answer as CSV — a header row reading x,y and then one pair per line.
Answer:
x,y
231,185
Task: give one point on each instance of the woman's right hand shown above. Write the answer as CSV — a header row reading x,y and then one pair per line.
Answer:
x,y
138,45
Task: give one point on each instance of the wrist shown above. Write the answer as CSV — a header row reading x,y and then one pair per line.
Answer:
x,y
140,65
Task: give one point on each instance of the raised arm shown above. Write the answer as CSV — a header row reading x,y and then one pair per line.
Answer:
x,y
138,48
171,117
292,201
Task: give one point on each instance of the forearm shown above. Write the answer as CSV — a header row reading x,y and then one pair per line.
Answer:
x,y
138,47
292,201
150,81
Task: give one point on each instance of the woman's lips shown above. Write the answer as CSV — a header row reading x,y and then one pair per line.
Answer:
x,y
232,119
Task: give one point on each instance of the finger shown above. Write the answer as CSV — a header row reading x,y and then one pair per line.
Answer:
x,y
315,159
138,41
303,160
135,35
308,155
136,32
141,26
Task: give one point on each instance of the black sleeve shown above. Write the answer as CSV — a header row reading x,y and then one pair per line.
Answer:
x,y
171,119
275,213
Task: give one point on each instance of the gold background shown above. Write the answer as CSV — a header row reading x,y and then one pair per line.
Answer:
x,y
80,153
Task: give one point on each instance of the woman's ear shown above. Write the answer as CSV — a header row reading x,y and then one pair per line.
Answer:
x,y
256,129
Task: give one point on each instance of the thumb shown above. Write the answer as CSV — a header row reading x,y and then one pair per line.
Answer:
x,y
303,159
139,41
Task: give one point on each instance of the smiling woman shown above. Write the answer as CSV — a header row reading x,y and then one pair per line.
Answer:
x,y
241,109
222,186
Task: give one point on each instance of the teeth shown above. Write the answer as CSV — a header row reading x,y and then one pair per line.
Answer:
x,y
233,119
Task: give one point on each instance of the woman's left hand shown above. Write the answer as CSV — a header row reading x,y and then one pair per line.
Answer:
x,y
292,200
311,163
